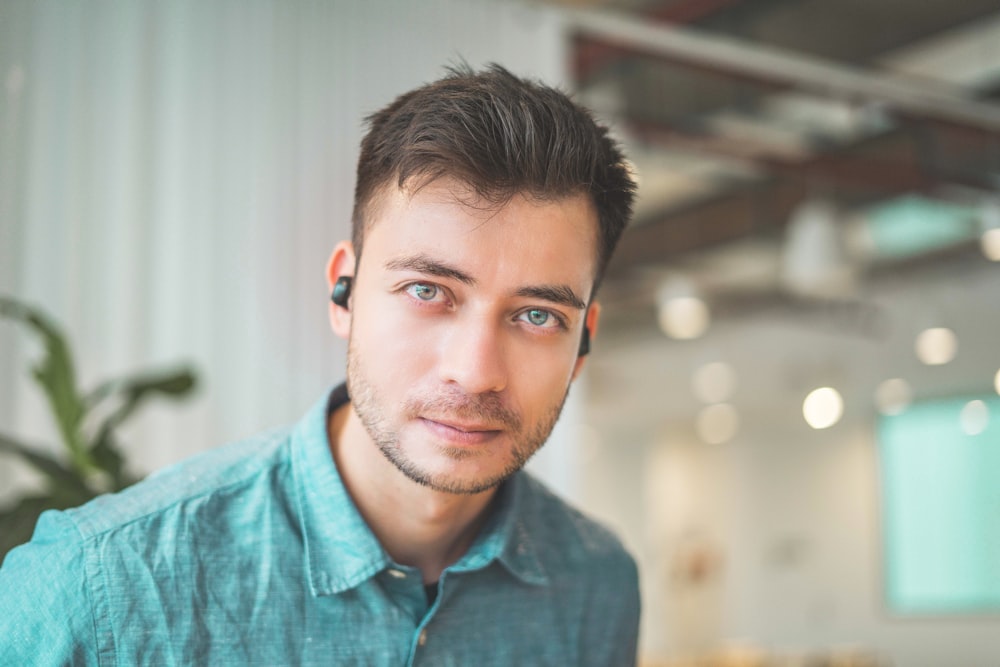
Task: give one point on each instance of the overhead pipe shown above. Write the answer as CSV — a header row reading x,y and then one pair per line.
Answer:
x,y
908,96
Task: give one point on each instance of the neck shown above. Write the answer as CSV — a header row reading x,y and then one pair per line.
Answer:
x,y
416,525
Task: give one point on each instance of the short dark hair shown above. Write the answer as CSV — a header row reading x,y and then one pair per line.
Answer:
x,y
500,135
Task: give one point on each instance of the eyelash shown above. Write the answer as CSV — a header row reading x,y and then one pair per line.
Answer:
x,y
410,286
560,321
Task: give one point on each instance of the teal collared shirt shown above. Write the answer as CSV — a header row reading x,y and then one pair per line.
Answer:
x,y
254,554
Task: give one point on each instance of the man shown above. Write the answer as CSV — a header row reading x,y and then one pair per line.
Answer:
x,y
391,526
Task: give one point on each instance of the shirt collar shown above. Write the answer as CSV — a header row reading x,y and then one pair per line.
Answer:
x,y
340,549
505,536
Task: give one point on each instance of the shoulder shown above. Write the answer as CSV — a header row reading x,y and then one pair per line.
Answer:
x,y
201,479
46,599
592,576
570,539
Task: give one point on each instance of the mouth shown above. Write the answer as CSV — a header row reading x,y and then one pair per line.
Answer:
x,y
461,433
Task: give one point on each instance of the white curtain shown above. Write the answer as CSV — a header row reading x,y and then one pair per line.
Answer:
x,y
174,174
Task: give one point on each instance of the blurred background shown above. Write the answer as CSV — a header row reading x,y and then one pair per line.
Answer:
x,y
791,416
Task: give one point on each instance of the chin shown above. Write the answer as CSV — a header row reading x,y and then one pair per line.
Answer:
x,y
453,479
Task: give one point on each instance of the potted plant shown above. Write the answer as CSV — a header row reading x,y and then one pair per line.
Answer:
x,y
92,462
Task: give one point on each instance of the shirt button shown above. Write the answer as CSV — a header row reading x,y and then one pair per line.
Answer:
x,y
422,639
399,574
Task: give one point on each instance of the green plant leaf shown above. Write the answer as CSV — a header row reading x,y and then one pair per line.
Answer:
x,y
107,457
174,383
67,481
75,483
56,375
134,390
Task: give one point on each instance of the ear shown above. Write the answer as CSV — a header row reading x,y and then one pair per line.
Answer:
x,y
593,315
341,263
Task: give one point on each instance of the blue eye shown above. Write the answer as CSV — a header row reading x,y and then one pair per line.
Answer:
x,y
423,291
540,318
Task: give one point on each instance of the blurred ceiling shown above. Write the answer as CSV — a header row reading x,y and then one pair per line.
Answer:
x,y
853,118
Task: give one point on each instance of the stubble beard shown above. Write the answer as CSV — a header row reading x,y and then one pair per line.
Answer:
x,y
480,408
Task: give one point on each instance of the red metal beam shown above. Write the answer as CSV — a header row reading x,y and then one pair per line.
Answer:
x,y
889,163
590,55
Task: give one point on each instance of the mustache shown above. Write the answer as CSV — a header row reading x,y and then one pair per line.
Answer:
x,y
480,408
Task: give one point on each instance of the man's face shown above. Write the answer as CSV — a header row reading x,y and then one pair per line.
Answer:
x,y
465,325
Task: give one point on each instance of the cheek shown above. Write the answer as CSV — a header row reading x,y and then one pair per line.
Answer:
x,y
392,342
544,375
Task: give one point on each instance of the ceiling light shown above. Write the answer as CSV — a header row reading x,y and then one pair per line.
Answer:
x,y
717,423
893,396
684,317
989,243
975,417
714,382
823,407
681,313
936,346
989,220
815,261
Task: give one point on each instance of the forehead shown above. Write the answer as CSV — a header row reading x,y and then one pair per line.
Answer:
x,y
546,238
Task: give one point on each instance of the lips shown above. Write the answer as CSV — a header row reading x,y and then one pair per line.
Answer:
x,y
460,432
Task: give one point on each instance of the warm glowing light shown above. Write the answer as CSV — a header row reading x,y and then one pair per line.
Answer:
x,y
823,407
714,382
684,317
996,382
975,417
936,346
717,423
989,243
893,396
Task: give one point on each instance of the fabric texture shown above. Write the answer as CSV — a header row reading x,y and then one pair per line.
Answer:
x,y
254,554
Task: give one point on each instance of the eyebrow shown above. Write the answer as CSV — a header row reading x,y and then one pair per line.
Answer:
x,y
432,267
558,294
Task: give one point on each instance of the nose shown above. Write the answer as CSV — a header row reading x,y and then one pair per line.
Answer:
x,y
473,356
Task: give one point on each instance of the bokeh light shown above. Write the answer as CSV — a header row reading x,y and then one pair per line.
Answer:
x,y
893,396
936,346
989,243
823,407
717,423
974,418
714,382
684,317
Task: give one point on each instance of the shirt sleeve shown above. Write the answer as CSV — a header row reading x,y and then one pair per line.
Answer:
x,y
46,617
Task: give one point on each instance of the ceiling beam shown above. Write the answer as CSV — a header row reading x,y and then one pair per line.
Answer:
x,y
886,164
882,166
731,216
591,56
786,68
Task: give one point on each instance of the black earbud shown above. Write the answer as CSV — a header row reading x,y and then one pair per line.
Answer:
x,y
584,342
341,291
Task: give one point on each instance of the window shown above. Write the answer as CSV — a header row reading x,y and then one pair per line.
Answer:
x,y
941,507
